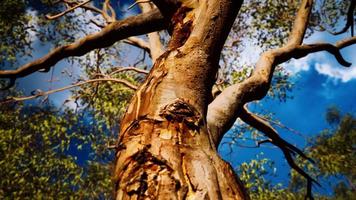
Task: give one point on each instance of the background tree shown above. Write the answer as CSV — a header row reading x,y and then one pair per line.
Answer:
x,y
170,133
332,150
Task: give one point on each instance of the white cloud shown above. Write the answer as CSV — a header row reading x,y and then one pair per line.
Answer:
x,y
297,65
336,72
324,64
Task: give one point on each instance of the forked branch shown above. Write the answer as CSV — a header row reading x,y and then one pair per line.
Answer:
x,y
224,110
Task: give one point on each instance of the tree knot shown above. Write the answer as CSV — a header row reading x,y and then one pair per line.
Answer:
x,y
181,111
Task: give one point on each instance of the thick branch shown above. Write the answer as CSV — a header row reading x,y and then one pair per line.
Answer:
x,y
224,110
136,25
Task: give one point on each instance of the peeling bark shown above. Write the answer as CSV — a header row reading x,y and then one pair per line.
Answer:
x,y
169,153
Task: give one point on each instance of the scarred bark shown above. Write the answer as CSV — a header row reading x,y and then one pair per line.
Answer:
x,y
168,152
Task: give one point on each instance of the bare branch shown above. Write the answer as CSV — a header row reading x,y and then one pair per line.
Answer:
x,y
155,44
51,17
140,43
288,149
105,13
136,25
86,7
96,23
138,2
306,49
39,94
122,69
283,126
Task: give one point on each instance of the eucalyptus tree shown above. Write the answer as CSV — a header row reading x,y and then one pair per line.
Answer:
x,y
169,134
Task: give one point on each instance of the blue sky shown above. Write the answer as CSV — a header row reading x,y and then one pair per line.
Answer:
x,y
319,83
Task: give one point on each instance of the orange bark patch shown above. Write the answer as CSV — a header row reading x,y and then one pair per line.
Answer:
x,y
181,30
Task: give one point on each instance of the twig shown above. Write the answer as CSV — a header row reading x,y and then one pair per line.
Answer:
x,y
51,17
39,94
137,2
121,69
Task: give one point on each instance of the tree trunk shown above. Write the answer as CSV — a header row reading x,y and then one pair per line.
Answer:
x,y
166,150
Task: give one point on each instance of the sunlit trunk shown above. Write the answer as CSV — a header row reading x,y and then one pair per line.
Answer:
x,y
166,150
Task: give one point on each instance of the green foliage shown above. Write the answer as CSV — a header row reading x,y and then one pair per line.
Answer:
x,y
37,150
13,30
254,174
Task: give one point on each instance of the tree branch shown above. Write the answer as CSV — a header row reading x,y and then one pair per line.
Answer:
x,y
155,44
136,25
140,43
288,149
106,8
51,17
306,49
224,110
86,7
122,69
39,94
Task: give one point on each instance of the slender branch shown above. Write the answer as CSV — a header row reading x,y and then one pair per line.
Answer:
x,y
39,94
136,25
105,12
288,149
51,17
138,2
140,43
121,69
262,125
86,7
283,126
96,23
155,44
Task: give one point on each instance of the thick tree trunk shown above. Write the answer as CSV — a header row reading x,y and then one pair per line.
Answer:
x,y
166,150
